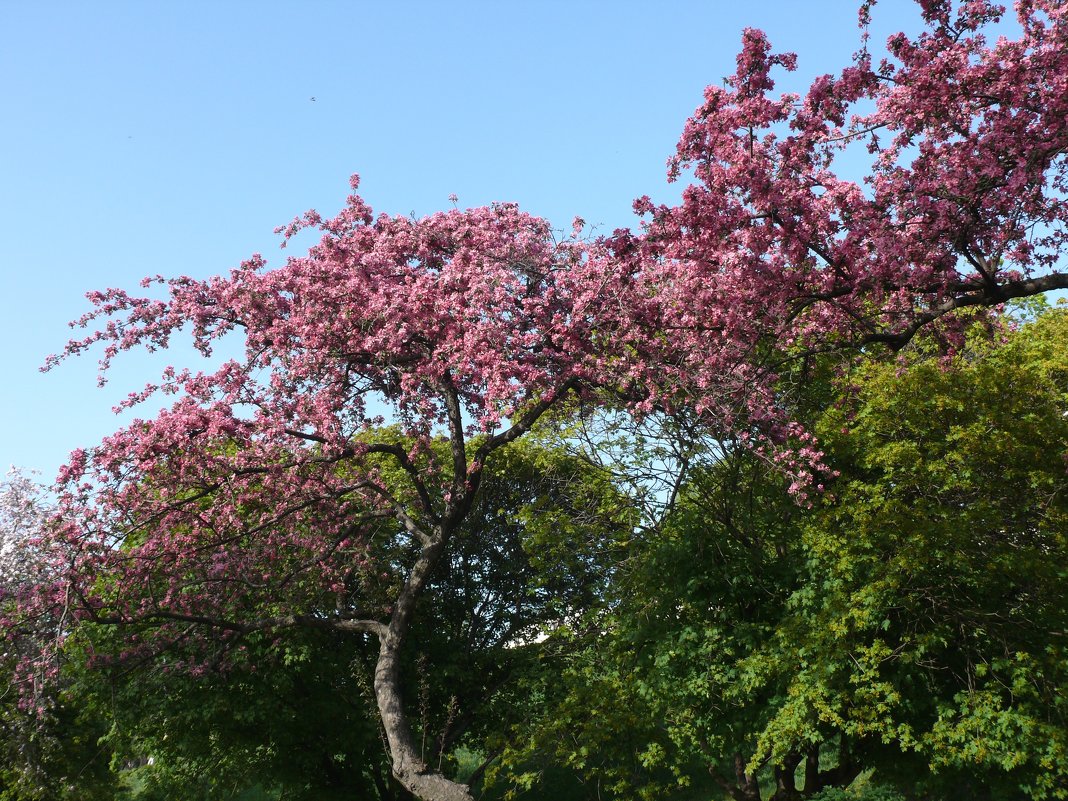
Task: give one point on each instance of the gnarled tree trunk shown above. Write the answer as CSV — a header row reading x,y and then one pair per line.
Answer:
x,y
408,766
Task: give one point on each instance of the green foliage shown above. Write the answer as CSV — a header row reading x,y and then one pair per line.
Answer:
x,y
291,716
56,757
861,790
533,553
286,715
931,626
659,700
912,623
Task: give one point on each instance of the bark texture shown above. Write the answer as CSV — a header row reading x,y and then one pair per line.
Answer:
x,y
408,767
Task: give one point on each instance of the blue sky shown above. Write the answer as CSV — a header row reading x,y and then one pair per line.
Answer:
x,y
150,137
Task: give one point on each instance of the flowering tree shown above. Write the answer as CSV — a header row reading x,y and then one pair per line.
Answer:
x,y
21,514
963,204
25,567
249,504
43,745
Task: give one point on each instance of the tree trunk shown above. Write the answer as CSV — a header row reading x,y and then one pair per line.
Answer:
x,y
410,770
408,767
747,788
785,783
812,771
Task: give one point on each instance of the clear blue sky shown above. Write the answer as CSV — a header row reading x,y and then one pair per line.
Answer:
x,y
150,137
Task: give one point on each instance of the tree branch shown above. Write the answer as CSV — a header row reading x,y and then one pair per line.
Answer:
x,y
456,441
282,622
982,296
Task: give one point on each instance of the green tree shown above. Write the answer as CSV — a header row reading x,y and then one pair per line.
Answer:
x,y
909,627
930,629
656,704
